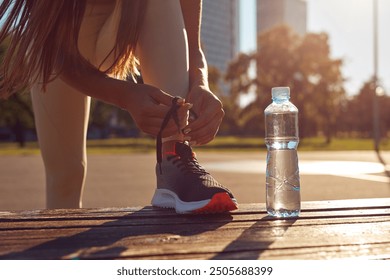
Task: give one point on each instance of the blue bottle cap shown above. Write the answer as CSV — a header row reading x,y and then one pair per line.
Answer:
x,y
280,93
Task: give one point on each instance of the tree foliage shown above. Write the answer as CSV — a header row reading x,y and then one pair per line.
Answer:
x,y
357,113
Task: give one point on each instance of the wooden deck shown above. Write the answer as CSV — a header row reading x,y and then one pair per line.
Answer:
x,y
325,230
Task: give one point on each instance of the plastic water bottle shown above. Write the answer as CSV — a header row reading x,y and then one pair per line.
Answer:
x,y
281,138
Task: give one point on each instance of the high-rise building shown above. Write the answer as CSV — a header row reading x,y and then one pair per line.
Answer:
x,y
219,33
274,12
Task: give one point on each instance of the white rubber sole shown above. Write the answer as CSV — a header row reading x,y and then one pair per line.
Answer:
x,y
167,199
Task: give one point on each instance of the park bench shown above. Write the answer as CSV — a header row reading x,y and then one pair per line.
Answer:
x,y
358,228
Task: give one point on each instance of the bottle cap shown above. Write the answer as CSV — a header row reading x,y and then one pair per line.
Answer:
x,y
280,93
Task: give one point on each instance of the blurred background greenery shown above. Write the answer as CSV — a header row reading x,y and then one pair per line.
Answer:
x,y
329,118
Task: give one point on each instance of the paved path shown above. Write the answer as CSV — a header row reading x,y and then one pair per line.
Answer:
x,y
128,180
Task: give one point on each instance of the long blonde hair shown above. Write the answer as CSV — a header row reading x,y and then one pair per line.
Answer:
x,y
42,33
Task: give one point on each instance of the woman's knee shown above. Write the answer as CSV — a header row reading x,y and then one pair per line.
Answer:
x,y
67,173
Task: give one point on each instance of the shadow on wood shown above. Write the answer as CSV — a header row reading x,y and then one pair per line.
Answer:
x,y
250,244
89,238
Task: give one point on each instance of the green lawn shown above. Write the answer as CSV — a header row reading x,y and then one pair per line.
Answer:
x,y
225,143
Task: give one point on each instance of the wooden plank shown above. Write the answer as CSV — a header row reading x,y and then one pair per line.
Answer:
x,y
137,219
367,252
96,213
143,213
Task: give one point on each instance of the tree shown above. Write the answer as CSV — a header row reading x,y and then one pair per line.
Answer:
x,y
358,114
304,64
16,112
323,87
238,77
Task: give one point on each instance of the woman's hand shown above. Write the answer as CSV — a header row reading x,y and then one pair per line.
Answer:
x,y
209,111
149,105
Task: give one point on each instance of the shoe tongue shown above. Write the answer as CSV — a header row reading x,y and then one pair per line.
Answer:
x,y
183,150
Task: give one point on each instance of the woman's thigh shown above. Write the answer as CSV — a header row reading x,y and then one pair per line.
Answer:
x,y
163,47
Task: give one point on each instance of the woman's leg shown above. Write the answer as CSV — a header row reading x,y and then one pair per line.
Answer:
x,y
61,117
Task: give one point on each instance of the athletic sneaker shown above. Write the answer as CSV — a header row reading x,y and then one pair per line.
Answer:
x,y
184,185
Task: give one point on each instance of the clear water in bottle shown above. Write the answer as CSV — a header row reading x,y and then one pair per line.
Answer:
x,y
282,174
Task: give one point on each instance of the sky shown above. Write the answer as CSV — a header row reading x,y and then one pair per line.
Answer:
x,y
349,24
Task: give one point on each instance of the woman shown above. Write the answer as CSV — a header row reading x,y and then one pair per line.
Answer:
x,y
70,50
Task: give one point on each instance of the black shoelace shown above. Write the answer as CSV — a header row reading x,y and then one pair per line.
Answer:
x,y
172,113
